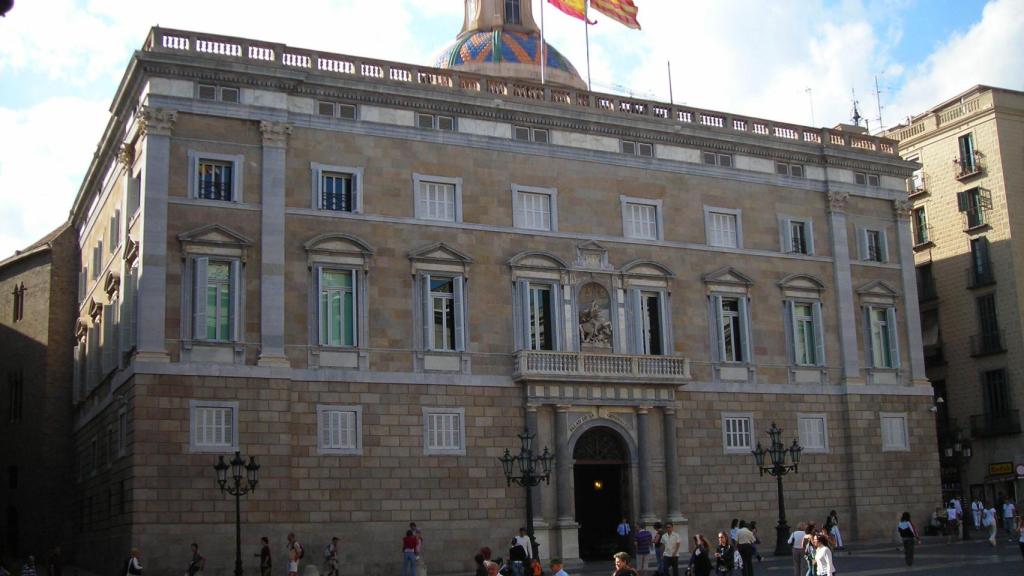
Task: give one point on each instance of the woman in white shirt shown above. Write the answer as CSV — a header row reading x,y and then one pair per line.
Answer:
x,y
823,556
988,519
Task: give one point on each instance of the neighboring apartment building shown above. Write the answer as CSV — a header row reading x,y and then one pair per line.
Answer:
x,y
37,316
372,275
967,211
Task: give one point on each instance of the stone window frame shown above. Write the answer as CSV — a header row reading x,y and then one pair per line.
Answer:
x,y
721,159
641,277
419,179
658,204
636,148
791,169
517,216
749,418
863,251
786,234
336,251
540,268
737,213
336,110
522,133
317,171
440,122
238,166
429,411
357,448
439,259
887,444
218,93
193,406
801,417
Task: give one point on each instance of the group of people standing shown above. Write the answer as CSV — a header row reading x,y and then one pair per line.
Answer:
x,y
812,547
983,515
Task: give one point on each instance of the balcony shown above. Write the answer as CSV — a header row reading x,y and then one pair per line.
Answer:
x,y
968,167
591,367
980,277
989,425
975,218
922,236
985,343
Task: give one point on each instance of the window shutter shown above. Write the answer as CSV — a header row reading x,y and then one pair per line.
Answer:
x,y
353,313
883,239
747,347
426,311
521,305
819,335
556,316
199,277
320,308
76,377
962,202
719,336
636,321
356,202
862,243
869,347
460,309
791,333
236,301
422,207
666,325
787,236
809,235
894,342
125,327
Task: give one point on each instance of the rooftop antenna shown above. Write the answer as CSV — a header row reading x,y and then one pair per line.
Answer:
x,y
878,102
856,113
810,102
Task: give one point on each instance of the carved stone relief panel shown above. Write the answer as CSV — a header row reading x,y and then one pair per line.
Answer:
x,y
595,326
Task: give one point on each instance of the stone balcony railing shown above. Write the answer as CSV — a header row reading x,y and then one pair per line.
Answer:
x,y
591,367
329,64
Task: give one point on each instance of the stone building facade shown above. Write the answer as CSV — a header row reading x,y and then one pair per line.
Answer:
x,y
371,276
964,219
37,314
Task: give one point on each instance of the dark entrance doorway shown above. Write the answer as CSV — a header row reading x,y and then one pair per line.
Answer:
x,y
601,476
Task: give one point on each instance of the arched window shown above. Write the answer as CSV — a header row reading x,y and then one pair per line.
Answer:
x,y
512,12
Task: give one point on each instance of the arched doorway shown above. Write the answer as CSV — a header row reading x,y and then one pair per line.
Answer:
x,y
601,480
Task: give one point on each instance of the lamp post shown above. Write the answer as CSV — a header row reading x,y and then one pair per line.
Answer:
x,y
529,476
959,451
778,468
243,480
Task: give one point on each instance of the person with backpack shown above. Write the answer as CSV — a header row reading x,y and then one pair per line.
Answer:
x,y
197,563
908,534
331,557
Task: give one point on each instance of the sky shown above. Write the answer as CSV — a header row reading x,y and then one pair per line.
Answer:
x,y
797,61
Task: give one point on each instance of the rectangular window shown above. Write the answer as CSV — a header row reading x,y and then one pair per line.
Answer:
x,y
15,395
215,180
975,204
334,109
442,305
882,335
917,178
129,316
436,201
874,180
813,429
732,328
644,149
966,160
873,245
723,230
443,431
114,235
788,169
215,301
339,429
134,195
214,425
641,220
542,336
435,122
716,159
512,13
19,302
217,93
981,267
97,259
83,283
336,192
535,211
527,134
894,433
806,334
337,305
737,432
997,396
798,237
988,324
650,324
926,283
920,220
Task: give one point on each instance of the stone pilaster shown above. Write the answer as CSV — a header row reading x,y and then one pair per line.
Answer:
x,y
672,473
275,144
908,275
643,438
566,527
850,358
155,125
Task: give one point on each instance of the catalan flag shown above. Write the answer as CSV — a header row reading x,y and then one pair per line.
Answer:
x,y
575,8
624,11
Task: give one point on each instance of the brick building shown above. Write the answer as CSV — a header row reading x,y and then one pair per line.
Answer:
x,y
964,219
371,275
37,316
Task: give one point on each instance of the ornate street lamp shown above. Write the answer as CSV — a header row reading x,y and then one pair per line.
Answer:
x,y
243,480
533,469
778,468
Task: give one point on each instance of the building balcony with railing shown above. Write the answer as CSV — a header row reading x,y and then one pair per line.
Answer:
x,y
985,343
1003,424
968,166
980,277
597,367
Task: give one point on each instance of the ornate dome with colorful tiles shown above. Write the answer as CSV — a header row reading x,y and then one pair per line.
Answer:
x,y
491,52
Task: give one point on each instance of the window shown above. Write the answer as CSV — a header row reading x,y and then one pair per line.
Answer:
x,y
541,317
15,395
535,208
644,149
807,334
214,426
873,245
215,176
926,283
19,302
981,266
894,432
512,12
445,310
723,227
716,159
788,169
641,218
797,236
882,337
920,220
650,324
215,299
336,110
813,429
122,433
444,431
917,178
83,283
97,259
736,432
967,159
974,204
435,122
114,233
110,338
997,396
339,429
732,328
438,198
865,179
337,307
129,316
134,194
337,188
988,325
527,134
218,93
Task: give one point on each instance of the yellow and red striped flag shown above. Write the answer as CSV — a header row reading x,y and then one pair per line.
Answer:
x,y
575,8
623,11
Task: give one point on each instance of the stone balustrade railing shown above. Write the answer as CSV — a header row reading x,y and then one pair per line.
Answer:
x,y
177,41
935,119
536,364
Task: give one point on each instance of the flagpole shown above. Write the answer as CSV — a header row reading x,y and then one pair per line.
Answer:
x,y
586,29
671,100
543,57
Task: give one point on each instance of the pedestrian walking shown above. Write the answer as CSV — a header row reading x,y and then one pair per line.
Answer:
x,y
988,520
643,541
409,544
808,546
133,565
266,563
625,533
725,555
823,556
952,522
331,557
745,540
659,548
197,563
1020,533
733,528
976,509
1009,513
519,553
700,556
757,540
622,567
832,525
796,543
673,545
908,535
295,554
